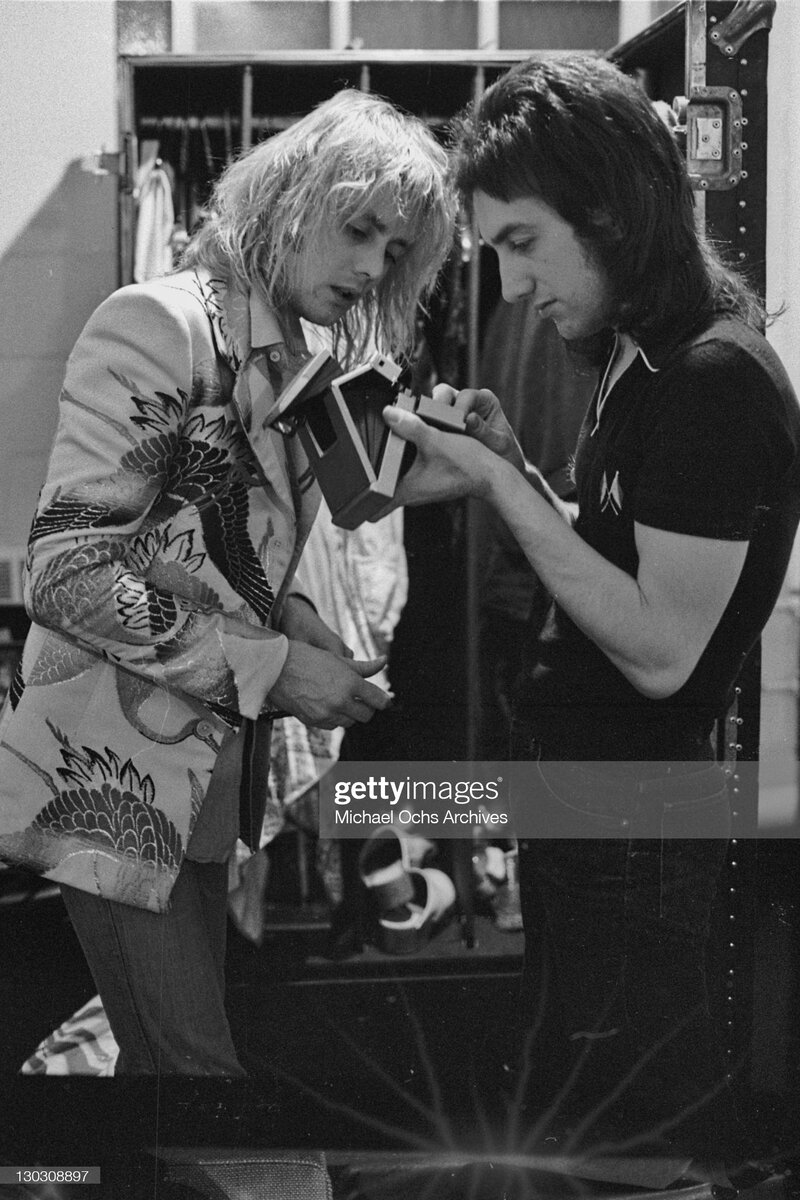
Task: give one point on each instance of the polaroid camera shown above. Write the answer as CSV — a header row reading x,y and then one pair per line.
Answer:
x,y
356,459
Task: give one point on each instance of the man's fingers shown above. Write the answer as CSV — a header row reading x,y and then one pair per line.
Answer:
x,y
363,710
485,401
444,393
368,666
479,429
361,707
406,424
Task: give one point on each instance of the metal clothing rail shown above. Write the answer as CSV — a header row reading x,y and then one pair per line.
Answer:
x,y
265,124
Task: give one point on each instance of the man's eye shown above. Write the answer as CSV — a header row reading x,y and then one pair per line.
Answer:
x,y
357,232
521,247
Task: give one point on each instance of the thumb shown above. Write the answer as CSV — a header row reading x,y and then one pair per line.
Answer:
x,y
369,666
406,424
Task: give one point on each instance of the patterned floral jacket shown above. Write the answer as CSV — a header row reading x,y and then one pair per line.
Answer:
x,y
165,539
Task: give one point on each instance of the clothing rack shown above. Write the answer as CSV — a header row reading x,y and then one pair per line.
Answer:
x,y
263,124
179,124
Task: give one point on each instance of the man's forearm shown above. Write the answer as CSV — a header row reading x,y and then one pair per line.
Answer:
x,y
568,512
641,636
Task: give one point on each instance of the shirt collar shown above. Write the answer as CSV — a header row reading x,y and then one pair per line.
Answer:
x,y
629,349
646,359
656,350
624,354
264,327
244,322
267,330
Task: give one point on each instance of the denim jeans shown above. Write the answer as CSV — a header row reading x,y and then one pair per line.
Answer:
x,y
617,921
161,975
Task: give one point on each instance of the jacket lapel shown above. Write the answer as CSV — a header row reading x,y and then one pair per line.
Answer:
x,y
264,358
257,349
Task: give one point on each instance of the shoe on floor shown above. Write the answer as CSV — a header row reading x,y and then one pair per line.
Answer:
x,y
406,928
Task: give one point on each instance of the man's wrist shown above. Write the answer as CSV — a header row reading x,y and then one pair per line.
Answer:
x,y
499,475
537,480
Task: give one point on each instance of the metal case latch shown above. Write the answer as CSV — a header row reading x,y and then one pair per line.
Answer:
x,y
711,123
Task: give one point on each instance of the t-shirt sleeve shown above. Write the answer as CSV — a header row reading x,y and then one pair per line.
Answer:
x,y
715,444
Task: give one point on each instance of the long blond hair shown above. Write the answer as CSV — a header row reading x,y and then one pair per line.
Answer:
x,y
270,208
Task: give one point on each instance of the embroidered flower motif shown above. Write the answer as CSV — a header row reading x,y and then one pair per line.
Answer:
x,y
159,544
197,469
169,564
67,593
192,459
227,539
108,802
159,411
143,609
116,500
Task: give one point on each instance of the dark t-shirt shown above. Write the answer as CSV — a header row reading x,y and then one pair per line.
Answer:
x,y
708,445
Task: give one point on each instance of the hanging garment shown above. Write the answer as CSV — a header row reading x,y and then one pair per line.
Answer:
x,y
82,1045
155,221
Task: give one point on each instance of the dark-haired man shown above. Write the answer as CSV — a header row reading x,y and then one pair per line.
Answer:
x,y
687,473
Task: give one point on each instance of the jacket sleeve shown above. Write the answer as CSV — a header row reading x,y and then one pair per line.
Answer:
x,y
117,559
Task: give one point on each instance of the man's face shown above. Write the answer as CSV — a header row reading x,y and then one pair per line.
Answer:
x,y
346,263
542,259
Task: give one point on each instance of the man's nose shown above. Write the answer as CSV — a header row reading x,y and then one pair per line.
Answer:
x,y
372,261
515,285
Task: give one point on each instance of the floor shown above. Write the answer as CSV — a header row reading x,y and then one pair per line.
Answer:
x,y
361,1057
361,1052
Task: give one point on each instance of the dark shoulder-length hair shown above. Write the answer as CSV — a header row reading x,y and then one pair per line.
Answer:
x,y
576,132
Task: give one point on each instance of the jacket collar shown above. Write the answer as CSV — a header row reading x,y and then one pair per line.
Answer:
x,y
243,323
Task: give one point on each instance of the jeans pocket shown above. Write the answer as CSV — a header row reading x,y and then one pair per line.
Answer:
x,y
572,804
702,817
